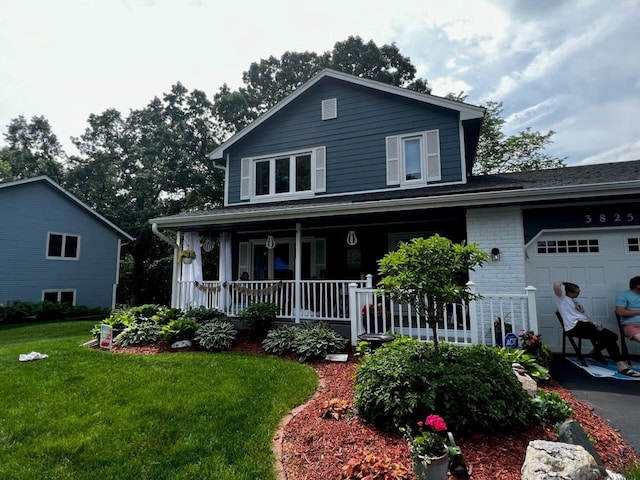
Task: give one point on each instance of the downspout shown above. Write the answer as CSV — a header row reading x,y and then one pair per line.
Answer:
x,y
174,271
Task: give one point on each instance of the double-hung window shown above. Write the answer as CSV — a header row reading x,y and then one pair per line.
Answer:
x,y
413,159
288,175
63,246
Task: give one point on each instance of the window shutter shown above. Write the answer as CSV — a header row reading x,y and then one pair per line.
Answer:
x,y
329,109
243,259
393,161
432,141
245,179
320,154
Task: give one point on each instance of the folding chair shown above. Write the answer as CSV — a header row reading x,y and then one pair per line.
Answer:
x,y
577,346
623,341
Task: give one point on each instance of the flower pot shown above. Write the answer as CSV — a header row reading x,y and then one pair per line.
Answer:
x,y
437,469
187,260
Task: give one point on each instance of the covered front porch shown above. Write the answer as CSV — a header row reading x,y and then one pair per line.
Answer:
x,y
354,307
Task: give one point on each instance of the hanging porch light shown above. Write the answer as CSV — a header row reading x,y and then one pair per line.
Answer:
x,y
271,242
352,239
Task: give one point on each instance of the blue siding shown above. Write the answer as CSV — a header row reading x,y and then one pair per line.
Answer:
x,y
27,213
355,140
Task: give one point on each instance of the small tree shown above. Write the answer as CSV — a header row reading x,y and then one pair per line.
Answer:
x,y
428,274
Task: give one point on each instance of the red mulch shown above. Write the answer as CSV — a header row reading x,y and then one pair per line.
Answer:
x,y
313,448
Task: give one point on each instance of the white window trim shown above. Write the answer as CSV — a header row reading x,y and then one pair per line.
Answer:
x,y
318,175
64,241
395,158
59,291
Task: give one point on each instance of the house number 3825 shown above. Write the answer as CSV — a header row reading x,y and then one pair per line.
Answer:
x,y
609,218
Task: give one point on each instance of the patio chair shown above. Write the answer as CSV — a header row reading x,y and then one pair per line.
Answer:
x,y
624,349
575,340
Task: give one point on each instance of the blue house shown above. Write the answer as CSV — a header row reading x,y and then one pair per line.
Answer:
x,y
55,248
320,187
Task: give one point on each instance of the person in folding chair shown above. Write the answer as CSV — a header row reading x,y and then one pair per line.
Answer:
x,y
628,309
578,323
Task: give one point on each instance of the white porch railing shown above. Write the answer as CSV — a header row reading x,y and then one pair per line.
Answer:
x,y
357,303
319,299
479,322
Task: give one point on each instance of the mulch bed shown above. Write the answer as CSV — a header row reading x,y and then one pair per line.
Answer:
x,y
312,448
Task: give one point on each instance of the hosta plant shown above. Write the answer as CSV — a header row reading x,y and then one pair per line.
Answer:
x,y
216,335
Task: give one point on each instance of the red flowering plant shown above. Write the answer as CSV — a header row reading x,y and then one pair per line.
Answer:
x,y
532,344
431,440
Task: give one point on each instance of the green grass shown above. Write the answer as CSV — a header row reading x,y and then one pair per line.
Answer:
x,y
84,413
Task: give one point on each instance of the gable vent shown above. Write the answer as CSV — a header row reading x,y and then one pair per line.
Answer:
x,y
330,109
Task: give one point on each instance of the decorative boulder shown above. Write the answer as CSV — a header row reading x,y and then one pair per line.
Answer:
x,y
546,460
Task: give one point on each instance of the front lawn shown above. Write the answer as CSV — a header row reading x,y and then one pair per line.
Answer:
x,y
84,413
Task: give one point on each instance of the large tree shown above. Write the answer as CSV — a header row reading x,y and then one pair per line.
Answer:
x,y
152,163
271,80
523,151
32,150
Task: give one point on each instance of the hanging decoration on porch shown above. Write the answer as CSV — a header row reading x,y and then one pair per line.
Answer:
x,y
271,242
352,239
210,288
258,291
207,244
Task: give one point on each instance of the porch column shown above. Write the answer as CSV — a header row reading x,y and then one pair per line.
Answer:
x,y
224,268
298,272
531,306
177,292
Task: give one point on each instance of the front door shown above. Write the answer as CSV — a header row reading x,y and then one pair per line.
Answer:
x,y
278,263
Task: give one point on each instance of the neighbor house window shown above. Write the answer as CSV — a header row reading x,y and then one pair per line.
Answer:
x,y
59,296
63,246
294,174
413,158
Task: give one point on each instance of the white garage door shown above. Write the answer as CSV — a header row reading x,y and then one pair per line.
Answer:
x,y
600,261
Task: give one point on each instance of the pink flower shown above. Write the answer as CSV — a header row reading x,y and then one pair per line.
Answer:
x,y
436,423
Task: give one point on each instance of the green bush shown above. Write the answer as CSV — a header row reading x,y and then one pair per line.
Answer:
x,y
23,312
548,408
529,362
180,329
140,333
472,387
258,318
215,335
316,341
307,341
203,314
280,340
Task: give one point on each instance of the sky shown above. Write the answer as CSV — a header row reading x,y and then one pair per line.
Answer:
x,y
567,66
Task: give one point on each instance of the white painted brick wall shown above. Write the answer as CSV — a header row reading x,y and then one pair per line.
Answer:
x,y
499,227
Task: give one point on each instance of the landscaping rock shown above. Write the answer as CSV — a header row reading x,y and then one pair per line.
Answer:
x,y
528,383
573,433
181,344
546,460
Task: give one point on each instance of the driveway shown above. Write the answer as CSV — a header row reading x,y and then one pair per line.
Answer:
x,y
614,400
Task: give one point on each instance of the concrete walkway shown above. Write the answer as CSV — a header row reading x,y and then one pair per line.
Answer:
x,y
615,400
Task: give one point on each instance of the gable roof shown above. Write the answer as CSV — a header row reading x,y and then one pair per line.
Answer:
x,y
53,185
467,111
552,185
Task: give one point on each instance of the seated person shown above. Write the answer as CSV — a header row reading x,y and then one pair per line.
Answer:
x,y
628,309
244,277
577,322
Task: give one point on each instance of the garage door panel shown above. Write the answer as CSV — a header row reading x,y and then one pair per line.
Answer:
x,y
602,271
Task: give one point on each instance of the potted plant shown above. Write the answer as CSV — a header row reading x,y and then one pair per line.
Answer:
x,y
429,450
258,318
186,256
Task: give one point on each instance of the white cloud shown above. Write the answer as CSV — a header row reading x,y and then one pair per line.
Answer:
x,y
623,153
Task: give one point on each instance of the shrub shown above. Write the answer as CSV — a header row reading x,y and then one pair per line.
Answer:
x,y
140,333
280,340
258,318
550,409
215,335
203,314
22,312
316,341
180,329
473,387
528,362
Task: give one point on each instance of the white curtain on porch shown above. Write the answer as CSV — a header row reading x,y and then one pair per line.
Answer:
x,y
225,267
193,271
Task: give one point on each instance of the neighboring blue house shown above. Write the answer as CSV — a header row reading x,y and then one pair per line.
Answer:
x,y
53,247
321,186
